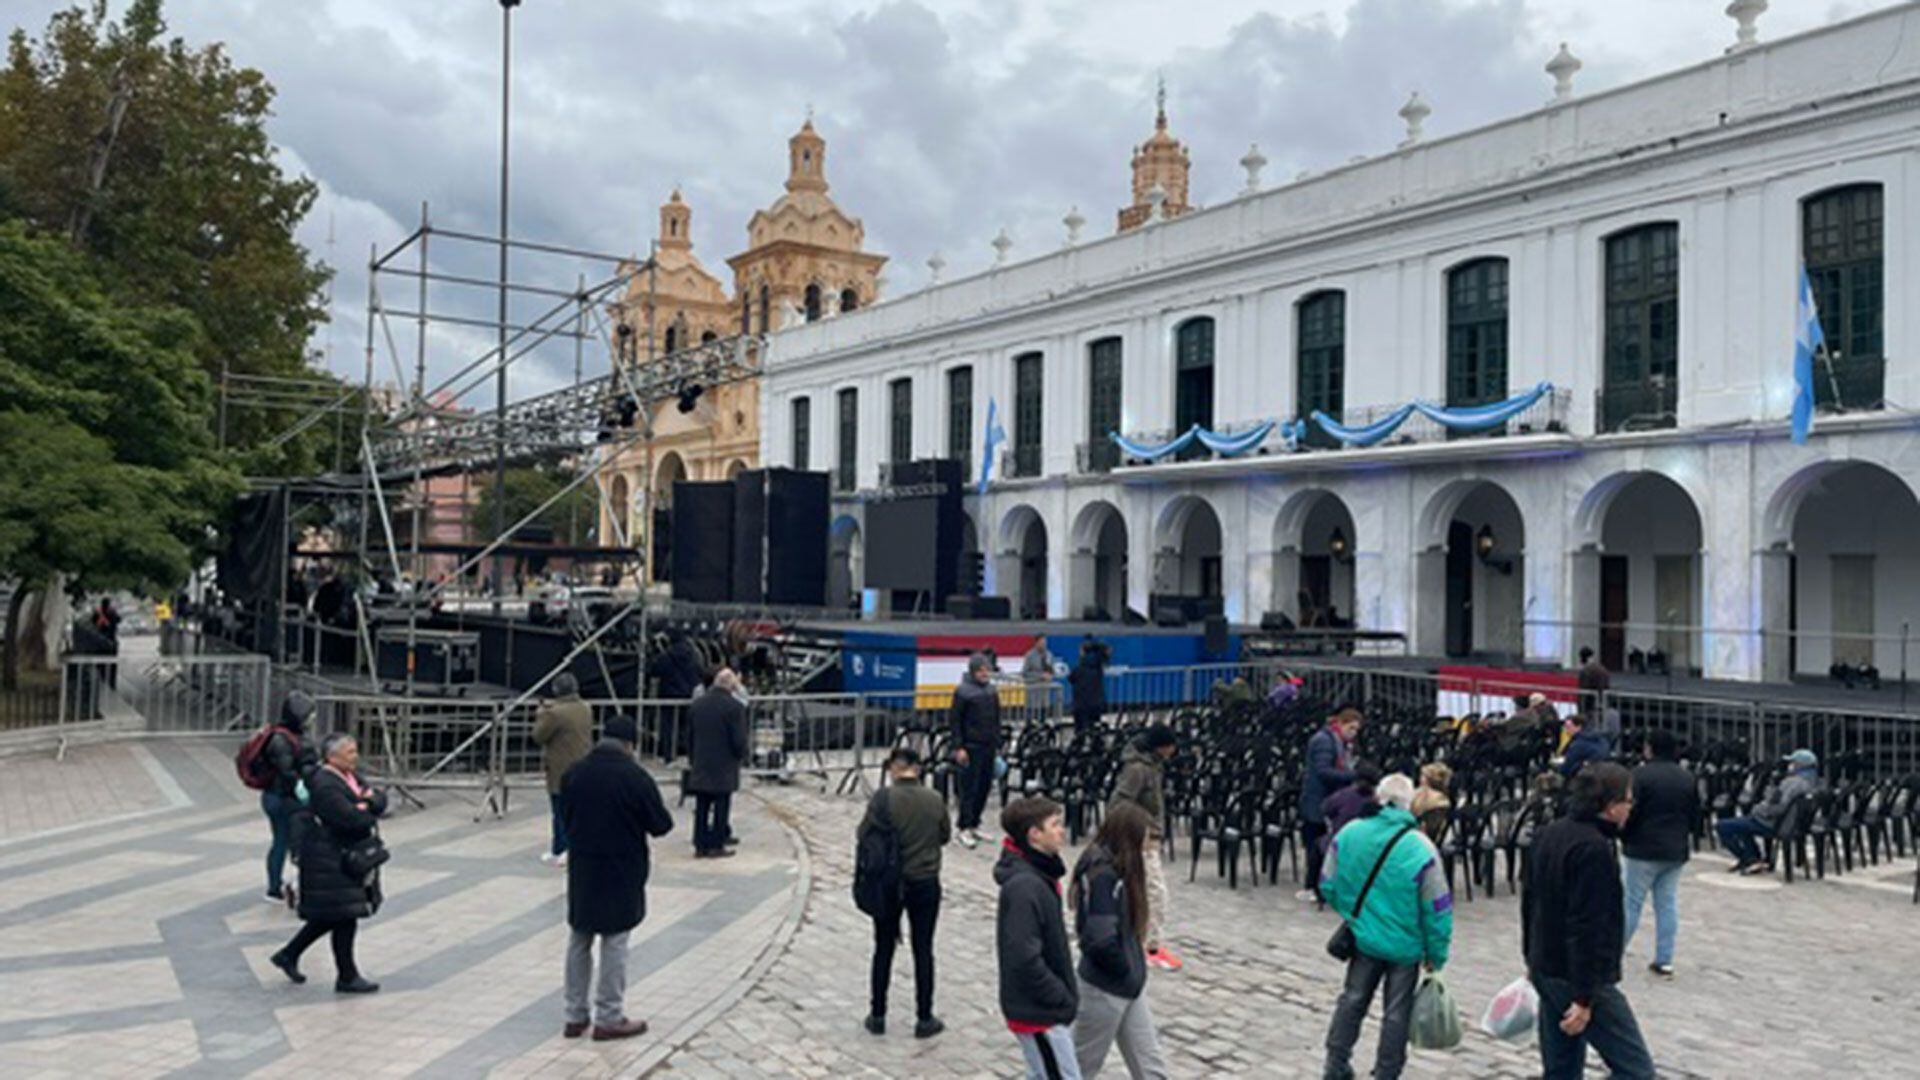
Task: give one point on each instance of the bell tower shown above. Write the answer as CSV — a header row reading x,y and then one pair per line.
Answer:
x,y
1160,168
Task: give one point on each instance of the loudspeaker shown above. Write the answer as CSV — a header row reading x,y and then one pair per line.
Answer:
x,y
703,541
1167,609
1216,643
780,537
797,512
979,607
1276,621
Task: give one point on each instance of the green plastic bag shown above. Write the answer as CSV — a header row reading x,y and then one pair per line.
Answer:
x,y
1436,1020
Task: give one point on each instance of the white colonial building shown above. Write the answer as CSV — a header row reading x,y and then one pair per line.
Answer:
x,y
1639,249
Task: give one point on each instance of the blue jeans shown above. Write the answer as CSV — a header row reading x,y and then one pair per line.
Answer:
x,y
1050,1054
1663,879
1612,1030
558,804
279,810
1742,836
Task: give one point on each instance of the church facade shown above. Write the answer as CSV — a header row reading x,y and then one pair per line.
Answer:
x,y
1509,393
804,262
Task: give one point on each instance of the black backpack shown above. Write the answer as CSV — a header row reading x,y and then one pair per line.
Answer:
x,y
876,860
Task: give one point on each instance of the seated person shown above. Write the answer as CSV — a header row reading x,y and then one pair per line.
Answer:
x,y
1430,801
1583,746
1741,835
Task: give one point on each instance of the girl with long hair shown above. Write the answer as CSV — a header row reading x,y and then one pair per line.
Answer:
x,y
1109,896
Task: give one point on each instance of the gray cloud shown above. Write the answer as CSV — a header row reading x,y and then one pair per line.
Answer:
x,y
945,120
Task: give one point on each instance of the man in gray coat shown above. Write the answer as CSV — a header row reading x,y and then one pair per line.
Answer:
x,y
716,748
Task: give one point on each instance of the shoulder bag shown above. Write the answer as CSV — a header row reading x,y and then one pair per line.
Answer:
x,y
1342,946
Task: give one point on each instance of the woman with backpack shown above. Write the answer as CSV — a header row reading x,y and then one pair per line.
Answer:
x,y
340,858
274,762
1109,897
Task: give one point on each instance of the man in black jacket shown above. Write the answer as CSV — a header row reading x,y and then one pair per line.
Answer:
x,y
716,748
1088,681
918,817
612,806
677,674
975,717
1572,919
1657,841
1038,994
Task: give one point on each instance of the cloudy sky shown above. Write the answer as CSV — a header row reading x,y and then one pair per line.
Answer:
x,y
945,119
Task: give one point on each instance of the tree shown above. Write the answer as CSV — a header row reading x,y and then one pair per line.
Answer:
x,y
572,519
154,159
111,478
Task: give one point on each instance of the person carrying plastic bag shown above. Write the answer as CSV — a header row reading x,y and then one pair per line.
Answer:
x,y
1383,876
1436,1019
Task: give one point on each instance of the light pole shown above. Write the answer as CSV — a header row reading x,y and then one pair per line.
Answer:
x,y
500,376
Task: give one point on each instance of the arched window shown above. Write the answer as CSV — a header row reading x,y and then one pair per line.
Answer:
x,y
813,303
673,338
708,337
766,310
1103,403
746,313
1477,332
848,300
1320,348
1641,380
1193,380
1843,244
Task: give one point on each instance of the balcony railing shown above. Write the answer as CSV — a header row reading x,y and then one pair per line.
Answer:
x,y
843,477
1844,383
894,474
1098,456
1549,414
1637,406
1023,461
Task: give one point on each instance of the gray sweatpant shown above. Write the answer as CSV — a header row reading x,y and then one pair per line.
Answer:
x,y
609,994
1108,1018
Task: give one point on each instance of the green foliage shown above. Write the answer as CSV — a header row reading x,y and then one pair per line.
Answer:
x,y
110,476
192,213
573,518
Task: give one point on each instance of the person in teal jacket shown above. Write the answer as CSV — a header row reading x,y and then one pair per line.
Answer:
x,y
1405,922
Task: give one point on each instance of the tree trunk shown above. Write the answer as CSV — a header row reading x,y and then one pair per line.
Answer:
x,y
10,673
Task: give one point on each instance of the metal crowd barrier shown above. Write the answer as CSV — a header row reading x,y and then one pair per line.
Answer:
x,y
473,743
1875,743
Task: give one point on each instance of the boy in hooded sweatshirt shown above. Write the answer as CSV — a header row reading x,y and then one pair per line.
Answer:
x,y
1038,994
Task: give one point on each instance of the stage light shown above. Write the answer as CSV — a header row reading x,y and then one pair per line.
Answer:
x,y
690,396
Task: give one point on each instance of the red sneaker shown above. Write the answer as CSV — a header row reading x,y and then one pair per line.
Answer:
x,y
1164,959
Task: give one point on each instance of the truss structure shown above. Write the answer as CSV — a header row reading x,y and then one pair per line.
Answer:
x,y
412,431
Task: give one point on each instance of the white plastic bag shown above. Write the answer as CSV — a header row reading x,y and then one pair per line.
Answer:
x,y
1513,1013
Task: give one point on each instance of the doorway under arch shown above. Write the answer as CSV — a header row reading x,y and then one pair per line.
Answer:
x,y
1097,569
1187,550
1472,573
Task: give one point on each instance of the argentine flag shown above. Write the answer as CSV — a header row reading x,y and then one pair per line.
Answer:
x,y
1807,340
995,436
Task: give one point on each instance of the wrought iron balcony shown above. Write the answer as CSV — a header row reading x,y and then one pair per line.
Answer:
x,y
1548,414
1847,383
1098,456
1637,406
1023,461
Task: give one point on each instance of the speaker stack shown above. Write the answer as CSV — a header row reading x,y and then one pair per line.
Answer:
x,y
760,538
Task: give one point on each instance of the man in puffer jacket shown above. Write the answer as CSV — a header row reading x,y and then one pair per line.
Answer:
x,y
1405,921
1038,993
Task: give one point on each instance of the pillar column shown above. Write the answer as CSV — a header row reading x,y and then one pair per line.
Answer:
x,y
1430,602
1773,568
1583,602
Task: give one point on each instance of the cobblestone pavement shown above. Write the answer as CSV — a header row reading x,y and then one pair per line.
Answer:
x,y
1809,981
134,941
